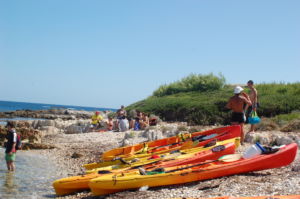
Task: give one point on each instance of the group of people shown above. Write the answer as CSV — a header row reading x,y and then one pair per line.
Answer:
x,y
122,121
242,105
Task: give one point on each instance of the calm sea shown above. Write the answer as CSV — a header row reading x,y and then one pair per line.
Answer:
x,y
34,174
32,179
13,106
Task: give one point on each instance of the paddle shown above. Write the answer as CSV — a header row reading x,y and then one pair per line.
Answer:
x,y
199,138
224,158
195,142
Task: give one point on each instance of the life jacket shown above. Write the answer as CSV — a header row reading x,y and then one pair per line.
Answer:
x,y
19,142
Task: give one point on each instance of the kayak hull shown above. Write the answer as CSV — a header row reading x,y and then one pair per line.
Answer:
x,y
73,184
170,143
187,156
134,180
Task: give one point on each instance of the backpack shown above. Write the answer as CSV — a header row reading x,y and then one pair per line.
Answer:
x,y
19,142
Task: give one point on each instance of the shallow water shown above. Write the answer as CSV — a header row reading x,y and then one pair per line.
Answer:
x,y
32,179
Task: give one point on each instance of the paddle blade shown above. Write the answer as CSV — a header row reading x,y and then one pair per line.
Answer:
x,y
187,145
230,158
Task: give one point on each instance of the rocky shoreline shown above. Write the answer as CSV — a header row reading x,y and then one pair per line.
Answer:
x,y
71,148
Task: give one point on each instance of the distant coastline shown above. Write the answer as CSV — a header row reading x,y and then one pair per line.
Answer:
x,y
6,106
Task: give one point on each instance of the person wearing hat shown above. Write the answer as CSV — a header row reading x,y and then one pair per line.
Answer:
x,y
10,146
237,104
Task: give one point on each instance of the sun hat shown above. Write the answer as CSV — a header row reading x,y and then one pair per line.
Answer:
x,y
238,90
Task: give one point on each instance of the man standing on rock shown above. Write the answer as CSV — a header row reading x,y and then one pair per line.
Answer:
x,y
10,151
253,98
237,104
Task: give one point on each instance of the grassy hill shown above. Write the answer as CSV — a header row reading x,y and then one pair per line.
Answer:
x,y
201,99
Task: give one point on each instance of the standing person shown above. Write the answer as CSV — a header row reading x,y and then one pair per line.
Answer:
x,y
10,146
237,104
253,98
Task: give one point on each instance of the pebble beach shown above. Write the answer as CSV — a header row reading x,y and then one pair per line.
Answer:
x,y
280,181
65,144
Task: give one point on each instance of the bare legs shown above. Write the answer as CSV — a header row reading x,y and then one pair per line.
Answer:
x,y
242,131
252,128
10,165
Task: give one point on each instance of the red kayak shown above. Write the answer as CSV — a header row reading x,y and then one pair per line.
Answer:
x,y
182,141
78,183
112,183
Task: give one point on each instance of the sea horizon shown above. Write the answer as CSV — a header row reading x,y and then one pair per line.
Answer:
x,y
7,106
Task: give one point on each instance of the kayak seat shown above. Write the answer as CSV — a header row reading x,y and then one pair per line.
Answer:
x,y
103,172
199,137
269,150
218,148
211,143
158,170
175,151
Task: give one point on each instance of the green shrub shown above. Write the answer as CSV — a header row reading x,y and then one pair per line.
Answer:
x,y
192,82
206,105
284,119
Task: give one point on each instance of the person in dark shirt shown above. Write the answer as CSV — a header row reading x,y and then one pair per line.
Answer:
x,y
10,147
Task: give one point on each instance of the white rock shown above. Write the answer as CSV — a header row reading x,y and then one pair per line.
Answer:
x,y
49,130
144,188
283,141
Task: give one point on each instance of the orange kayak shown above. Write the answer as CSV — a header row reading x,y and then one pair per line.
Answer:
x,y
173,143
112,183
78,183
253,197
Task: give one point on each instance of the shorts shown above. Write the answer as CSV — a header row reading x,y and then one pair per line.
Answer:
x,y
238,117
10,157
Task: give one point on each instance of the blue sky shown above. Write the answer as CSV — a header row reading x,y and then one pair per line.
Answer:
x,y
108,53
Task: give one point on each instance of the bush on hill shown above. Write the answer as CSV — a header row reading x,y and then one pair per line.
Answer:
x,y
192,82
205,103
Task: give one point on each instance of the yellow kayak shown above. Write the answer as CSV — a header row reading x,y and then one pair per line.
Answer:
x,y
112,183
173,143
78,183
178,155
